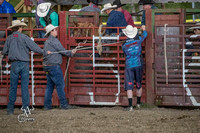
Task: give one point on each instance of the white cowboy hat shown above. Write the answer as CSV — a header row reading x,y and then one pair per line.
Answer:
x,y
195,27
43,9
130,31
108,6
16,23
49,28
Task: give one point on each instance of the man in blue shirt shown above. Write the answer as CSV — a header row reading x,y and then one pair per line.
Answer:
x,y
133,70
6,7
147,4
92,7
115,19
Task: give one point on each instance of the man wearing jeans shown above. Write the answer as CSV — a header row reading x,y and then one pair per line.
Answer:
x,y
18,46
52,68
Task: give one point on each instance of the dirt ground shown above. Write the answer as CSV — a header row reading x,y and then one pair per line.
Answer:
x,y
104,120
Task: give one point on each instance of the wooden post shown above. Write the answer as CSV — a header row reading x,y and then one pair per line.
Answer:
x,y
58,8
149,59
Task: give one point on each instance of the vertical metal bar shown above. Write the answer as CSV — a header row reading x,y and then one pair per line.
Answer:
x,y
183,65
193,16
67,22
94,83
118,68
32,78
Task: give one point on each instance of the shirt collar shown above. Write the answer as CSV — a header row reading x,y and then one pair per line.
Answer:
x,y
130,39
112,12
123,11
51,37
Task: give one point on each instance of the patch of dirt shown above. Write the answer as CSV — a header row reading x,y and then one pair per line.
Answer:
x,y
104,120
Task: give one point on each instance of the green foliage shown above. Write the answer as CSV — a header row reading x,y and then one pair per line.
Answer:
x,y
14,2
77,7
179,5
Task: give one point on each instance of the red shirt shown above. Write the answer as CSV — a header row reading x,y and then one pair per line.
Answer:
x,y
128,17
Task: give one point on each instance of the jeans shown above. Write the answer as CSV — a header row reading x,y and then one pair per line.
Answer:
x,y
41,33
54,78
19,68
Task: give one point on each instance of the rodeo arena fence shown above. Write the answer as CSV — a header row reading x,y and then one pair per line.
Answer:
x,y
170,78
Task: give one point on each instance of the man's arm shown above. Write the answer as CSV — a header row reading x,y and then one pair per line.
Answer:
x,y
54,18
33,46
5,48
143,36
42,22
143,18
58,47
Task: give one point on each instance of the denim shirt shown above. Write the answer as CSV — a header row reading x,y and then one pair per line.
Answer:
x,y
18,46
132,49
6,7
115,19
54,45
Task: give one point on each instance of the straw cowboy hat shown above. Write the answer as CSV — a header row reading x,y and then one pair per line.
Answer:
x,y
118,3
49,28
146,2
16,23
96,2
108,6
130,31
195,27
43,9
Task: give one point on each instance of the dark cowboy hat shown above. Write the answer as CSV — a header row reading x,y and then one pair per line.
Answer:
x,y
118,3
146,2
96,2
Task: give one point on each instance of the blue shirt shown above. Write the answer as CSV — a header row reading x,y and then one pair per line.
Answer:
x,y
115,19
6,7
132,49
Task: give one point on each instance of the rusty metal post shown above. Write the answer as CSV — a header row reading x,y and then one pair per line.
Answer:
x,y
149,59
62,38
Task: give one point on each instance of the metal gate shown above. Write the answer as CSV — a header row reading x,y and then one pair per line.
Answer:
x,y
37,78
177,73
94,80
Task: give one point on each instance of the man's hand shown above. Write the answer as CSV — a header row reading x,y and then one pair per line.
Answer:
x,y
143,27
32,38
74,51
49,52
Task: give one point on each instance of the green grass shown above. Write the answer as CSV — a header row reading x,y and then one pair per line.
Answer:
x,y
14,2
